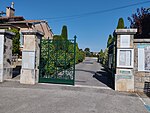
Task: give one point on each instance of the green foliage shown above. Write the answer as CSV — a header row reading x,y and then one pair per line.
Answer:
x,y
105,57
16,42
80,55
110,39
87,49
58,55
58,41
64,32
87,52
57,37
120,24
101,54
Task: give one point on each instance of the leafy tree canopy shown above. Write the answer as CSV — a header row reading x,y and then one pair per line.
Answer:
x,y
87,49
141,21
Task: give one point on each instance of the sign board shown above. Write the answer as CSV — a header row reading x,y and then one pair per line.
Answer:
x,y
125,58
144,58
28,59
125,71
129,77
124,41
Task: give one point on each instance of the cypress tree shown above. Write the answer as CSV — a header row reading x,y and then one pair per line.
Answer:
x,y
110,39
64,32
120,23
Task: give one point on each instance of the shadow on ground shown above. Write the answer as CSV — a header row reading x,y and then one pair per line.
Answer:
x,y
16,71
88,71
102,76
105,77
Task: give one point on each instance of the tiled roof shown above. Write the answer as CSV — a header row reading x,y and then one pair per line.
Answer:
x,y
13,17
25,21
8,26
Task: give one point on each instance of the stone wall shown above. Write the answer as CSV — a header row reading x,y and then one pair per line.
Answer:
x,y
124,77
142,78
5,54
7,57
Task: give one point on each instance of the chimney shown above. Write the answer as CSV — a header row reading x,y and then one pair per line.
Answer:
x,y
10,11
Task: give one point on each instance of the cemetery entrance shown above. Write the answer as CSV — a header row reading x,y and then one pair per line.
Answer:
x,y
57,61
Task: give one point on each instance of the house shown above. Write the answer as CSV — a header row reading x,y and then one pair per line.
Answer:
x,y
40,25
11,21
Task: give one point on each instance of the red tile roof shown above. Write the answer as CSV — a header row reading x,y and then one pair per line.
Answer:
x,y
25,21
13,17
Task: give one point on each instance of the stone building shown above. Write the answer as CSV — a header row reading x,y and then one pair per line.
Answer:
x,y
132,61
11,21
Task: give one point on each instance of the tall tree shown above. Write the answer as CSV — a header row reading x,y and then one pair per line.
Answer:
x,y
105,59
120,23
87,52
101,54
64,32
87,49
110,39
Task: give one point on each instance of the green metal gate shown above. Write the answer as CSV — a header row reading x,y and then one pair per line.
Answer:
x,y
57,61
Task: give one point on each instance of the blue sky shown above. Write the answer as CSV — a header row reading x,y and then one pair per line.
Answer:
x,y
92,30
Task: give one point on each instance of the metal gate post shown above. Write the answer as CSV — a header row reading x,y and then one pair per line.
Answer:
x,y
75,37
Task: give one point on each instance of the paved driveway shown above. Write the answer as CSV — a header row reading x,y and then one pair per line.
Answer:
x,y
91,73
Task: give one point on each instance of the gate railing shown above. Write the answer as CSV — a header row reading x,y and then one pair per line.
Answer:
x,y
57,61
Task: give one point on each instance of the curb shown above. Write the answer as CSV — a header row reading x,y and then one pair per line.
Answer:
x,y
145,105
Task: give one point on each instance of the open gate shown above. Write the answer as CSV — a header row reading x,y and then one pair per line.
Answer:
x,y
57,61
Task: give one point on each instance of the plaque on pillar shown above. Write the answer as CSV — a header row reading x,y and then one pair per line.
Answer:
x,y
28,60
125,58
125,41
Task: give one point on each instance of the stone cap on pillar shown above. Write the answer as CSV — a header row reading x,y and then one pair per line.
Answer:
x,y
4,31
126,31
32,32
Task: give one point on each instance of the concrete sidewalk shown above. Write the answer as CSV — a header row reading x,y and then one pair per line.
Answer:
x,y
48,98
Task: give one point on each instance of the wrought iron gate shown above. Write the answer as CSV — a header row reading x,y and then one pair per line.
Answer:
x,y
57,61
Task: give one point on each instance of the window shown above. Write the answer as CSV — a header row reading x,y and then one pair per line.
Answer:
x,y
125,58
21,40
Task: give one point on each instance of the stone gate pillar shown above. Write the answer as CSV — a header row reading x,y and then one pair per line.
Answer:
x,y
30,56
124,78
5,54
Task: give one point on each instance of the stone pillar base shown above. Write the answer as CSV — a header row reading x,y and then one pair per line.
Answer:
x,y
27,76
124,83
